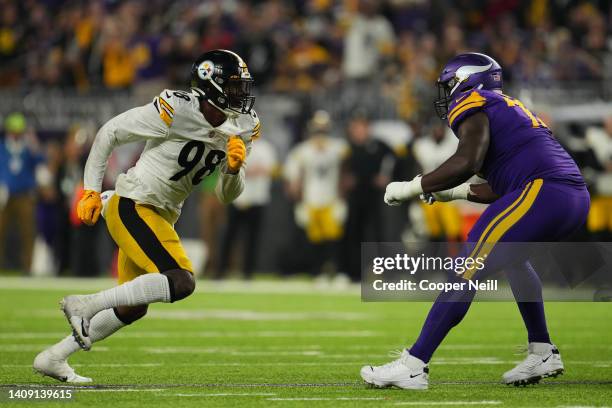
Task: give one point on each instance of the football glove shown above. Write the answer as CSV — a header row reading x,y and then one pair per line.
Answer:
x,y
457,193
397,192
89,207
236,154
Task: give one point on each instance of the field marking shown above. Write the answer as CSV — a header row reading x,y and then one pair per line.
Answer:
x,y
227,394
255,315
437,403
215,350
18,348
204,334
223,314
355,363
288,287
327,399
121,389
353,384
582,406
106,365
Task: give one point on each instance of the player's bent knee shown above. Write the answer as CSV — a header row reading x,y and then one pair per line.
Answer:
x,y
129,314
182,283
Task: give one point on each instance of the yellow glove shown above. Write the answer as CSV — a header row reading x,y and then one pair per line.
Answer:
x,y
89,207
236,153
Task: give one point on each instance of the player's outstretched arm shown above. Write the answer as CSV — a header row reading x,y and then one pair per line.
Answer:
x,y
476,193
464,163
134,125
231,179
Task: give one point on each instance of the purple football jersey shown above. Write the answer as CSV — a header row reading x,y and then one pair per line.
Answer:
x,y
521,147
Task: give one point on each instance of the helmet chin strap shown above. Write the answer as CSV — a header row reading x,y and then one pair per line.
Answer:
x,y
226,112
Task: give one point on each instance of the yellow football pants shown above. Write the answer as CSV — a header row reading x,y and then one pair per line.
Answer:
x,y
600,214
322,225
442,220
147,242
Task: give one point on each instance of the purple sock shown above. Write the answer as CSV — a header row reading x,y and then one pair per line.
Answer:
x,y
527,290
447,311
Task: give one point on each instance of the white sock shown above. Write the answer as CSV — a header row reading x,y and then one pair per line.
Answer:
x,y
102,325
145,289
65,347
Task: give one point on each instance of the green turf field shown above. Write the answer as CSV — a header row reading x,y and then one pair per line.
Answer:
x,y
290,344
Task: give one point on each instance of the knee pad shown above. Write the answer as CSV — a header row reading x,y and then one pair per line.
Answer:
x,y
129,314
181,283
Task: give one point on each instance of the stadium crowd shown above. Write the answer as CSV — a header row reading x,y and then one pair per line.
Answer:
x,y
298,46
392,48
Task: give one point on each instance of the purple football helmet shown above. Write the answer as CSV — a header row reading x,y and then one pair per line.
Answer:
x,y
464,72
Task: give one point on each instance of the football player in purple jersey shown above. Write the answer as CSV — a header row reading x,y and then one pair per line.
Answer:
x,y
535,191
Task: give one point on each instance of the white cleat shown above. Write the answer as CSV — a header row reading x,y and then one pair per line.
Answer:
x,y
48,364
75,310
407,372
543,360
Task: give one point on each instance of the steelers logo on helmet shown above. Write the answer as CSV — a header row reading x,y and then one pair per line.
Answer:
x,y
206,70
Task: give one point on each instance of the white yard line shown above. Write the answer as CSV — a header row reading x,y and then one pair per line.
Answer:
x,y
327,399
110,365
438,403
204,286
228,394
582,406
224,314
19,348
119,389
203,334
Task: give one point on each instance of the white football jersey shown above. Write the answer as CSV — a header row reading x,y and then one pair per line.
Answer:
x,y
315,163
181,149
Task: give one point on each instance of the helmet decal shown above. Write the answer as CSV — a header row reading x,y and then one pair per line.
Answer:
x,y
465,71
206,70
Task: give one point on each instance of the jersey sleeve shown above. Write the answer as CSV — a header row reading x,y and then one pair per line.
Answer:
x,y
250,126
134,125
176,107
464,106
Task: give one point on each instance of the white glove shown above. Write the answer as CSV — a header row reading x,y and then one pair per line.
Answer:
x,y
397,192
457,193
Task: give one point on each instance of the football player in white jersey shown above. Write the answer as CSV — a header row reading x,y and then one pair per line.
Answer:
x,y
313,171
188,135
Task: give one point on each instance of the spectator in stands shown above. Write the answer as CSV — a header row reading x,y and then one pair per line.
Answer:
x,y
369,39
19,158
245,214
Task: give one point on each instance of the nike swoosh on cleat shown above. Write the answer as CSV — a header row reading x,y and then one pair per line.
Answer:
x,y
546,359
413,376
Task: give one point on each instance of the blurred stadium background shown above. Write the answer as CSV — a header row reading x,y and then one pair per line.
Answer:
x,y
68,66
